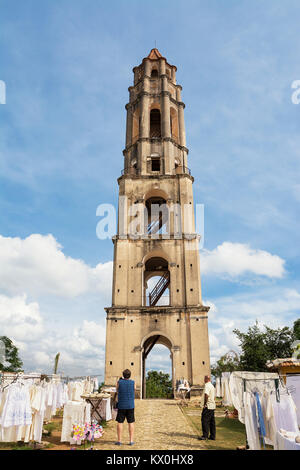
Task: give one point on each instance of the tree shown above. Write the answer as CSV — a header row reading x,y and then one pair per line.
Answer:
x,y
260,346
296,329
227,363
279,342
158,385
11,361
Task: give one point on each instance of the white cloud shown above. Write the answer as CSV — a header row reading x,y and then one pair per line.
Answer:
x,y
37,265
20,320
42,359
81,349
213,309
93,332
270,307
159,359
237,259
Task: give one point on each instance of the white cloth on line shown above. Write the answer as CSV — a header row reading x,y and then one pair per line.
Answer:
x,y
74,413
286,443
260,381
16,410
218,387
226,394
251,423
285,413
293,386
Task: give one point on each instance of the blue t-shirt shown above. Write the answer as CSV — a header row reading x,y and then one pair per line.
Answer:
x,y
126,394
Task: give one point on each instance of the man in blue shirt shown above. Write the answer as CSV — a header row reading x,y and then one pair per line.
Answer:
x,y
126,391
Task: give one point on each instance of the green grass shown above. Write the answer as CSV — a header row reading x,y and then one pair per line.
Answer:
x,y
52,426
7,445
49,446
21,447
230,433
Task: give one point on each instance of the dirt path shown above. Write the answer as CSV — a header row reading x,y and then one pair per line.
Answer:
x,y
160,425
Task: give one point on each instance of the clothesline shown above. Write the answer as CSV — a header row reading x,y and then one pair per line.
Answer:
x,y
82,377
20,375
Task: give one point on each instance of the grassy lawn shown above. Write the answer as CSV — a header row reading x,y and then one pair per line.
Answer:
x,y
230,433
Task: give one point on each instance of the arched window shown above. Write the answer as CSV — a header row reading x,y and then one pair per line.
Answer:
x,y
156,282
155,126
154,73
157,216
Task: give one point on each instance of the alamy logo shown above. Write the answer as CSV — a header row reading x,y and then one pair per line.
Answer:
x,y
2,92
152,221
296,95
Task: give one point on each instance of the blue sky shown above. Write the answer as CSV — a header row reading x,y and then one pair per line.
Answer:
x,y
67,66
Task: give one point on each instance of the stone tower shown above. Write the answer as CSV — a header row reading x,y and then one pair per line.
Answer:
x,y
156,296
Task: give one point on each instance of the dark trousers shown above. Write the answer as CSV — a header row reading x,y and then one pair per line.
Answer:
x,y
208,423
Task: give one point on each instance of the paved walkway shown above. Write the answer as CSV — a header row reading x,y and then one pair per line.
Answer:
x,y
160,425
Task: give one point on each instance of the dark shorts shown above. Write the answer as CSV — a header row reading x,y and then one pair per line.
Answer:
x,y
128,414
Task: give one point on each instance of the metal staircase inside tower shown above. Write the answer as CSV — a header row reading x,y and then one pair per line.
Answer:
x,y
155,225
159,289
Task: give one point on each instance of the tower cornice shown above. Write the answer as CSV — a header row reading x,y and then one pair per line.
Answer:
x,y
161,139
175,85
160,238
153,95
125,310
153,177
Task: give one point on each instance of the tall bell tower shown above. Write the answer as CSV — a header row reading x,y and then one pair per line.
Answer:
x,y
156,296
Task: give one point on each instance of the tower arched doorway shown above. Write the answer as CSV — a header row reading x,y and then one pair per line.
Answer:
x,y
156,338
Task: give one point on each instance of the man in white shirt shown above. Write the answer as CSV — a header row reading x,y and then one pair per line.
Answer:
x,y
208,412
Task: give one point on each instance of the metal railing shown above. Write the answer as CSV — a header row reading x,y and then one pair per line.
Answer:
x,y
164,301
178,170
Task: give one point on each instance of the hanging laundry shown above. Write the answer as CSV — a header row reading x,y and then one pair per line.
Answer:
x,y
261,423
25,405
286,441
226,394
16,408
251,421
218,387
240,381
293,385
75,413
